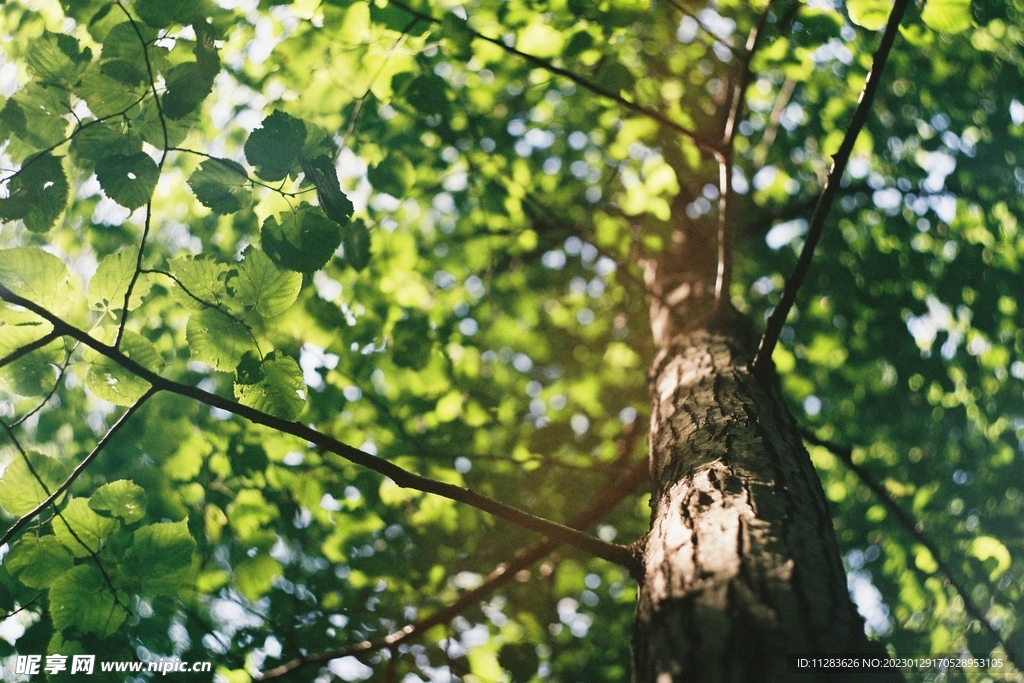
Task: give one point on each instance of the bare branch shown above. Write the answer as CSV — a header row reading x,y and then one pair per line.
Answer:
x,y
845,454
608,551
860,116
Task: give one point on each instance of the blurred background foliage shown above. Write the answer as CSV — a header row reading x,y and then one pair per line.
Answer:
x,y
483,320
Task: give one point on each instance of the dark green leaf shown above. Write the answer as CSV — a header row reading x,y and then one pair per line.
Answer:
x,y
412,343
99,139
427,94
249,370
394,175
188,85
357,245
123,57
274,147
38,194
128,180
221,185
163,13
321,172
304,240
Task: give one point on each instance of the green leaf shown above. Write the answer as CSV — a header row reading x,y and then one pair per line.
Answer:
x,y
249,513
304,240
263,286
122,499
56,58
427,94
38,194
123,57
947,16
217,339
35,274
222,186
249,370
278,392
33,374
100,139
21,491
188,85
989,548
357,245
394,175
254,576
274,147
870,14
198,278
82,599
105,96
81,529
35,116
109,285
128,180
412,344
458,36
151,127
37,561
111,382
615,77
161,557
163,13
335,203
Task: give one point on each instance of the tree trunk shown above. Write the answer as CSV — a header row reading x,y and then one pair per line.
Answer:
x,y
741,565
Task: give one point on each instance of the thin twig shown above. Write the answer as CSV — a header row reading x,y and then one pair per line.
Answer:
x,y
860,116
656,116
160,165
845,454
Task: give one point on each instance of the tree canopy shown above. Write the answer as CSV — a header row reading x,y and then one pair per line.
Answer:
x,y
324,332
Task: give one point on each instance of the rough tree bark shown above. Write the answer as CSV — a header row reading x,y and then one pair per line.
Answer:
x,y
741,565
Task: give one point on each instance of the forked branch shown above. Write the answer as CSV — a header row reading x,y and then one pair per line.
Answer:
x,y
611,552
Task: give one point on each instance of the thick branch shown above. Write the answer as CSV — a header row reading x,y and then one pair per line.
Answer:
x,y
845,454
28,348
828,195
611,496
608,551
